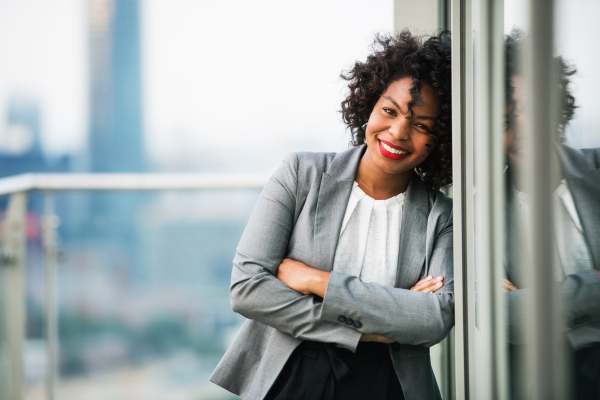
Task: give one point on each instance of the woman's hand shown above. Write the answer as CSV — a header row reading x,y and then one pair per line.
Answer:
x,y
375,338
508,286
429,284
426,285
302,278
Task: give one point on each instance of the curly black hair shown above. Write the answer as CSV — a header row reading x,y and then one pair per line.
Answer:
x,y
426,60
514,46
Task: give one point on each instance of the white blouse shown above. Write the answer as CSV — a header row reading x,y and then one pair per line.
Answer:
x,y
370,238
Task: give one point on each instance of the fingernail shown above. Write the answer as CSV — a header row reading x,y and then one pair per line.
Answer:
x,y
439,284
439,277
429,277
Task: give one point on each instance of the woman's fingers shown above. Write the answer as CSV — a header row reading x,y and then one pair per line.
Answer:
x,y
508,286
419,284
429,284
375,338
383,339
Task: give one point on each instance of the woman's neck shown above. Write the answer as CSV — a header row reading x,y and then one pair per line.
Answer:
x,y
378,184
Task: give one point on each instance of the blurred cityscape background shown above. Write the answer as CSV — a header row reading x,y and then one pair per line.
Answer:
x,y
184,86
154,86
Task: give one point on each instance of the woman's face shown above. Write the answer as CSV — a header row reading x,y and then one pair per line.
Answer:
x,y
396,142
514,146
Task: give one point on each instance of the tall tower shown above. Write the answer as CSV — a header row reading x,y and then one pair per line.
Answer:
x,y
116,141
116,131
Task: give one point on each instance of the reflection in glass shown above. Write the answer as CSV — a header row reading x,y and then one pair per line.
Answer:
x,y
576,220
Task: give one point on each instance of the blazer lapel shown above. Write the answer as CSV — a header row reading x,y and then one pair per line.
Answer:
x,y
413,233
586,192
334,192
584,184
514,234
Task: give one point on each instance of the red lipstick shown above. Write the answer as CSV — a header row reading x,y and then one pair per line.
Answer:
x,y
388,154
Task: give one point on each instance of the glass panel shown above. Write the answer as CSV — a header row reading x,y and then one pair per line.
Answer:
x,y
143,299
34,351
514,125
569,210
577,229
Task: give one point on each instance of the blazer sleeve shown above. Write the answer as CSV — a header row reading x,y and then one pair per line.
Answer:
x,y
255,291
406,316
580,293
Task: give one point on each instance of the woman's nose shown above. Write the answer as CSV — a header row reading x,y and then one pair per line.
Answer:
x,y
400,129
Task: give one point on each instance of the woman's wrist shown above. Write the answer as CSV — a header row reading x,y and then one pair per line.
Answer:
x,y
317,282
302,278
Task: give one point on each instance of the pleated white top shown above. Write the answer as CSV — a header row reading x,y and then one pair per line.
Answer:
x,y
370,238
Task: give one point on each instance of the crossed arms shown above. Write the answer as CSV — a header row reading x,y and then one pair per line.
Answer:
x,y
401,315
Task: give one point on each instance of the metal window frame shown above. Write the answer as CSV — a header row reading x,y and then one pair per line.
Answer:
x,y
489,247
545,354
462,167
477,103
478,35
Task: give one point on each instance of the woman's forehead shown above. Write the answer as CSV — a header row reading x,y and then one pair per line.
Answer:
x,y
399,91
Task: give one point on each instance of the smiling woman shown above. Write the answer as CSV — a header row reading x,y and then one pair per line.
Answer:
x,y
403,65
394,133
345,269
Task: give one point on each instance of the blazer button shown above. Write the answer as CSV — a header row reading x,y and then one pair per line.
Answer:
x,y
395,346
342,319
349,321
357,324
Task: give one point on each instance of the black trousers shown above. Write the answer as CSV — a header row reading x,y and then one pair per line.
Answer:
x,y
322,371
587,373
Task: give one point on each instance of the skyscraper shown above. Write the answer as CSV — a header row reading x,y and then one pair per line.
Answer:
x,y
116,141
116,130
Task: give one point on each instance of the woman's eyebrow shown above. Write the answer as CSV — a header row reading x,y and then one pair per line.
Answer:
x,y
425,117
393,101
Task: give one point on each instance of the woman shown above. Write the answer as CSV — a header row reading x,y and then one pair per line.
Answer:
x,y
338,264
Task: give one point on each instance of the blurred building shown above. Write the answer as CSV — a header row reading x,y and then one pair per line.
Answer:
x,y
20,147
115,141
115,133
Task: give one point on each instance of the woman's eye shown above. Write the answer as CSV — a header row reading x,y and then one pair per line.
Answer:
x,y
422,126
390,111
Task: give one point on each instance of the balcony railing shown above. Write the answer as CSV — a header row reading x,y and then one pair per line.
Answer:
x,y
12,253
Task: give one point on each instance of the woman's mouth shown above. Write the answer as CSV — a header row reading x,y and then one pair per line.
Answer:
x,y
392,152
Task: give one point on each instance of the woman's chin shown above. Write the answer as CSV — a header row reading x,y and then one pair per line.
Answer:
x,y
391,167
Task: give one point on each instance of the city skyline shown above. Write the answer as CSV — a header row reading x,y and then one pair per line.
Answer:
x,y
188,73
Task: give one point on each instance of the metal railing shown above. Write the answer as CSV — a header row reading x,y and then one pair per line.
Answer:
x,y
12,253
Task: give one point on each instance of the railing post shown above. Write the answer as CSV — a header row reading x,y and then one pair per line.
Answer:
x,y
49,231
12,298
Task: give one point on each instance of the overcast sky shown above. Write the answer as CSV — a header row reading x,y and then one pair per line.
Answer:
x,y
574,21
235,77
243,82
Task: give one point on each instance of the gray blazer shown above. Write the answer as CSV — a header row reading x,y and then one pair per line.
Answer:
x,y
299,216
580,291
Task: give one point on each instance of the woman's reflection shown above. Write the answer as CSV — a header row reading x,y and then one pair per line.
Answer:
x,y
577,229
